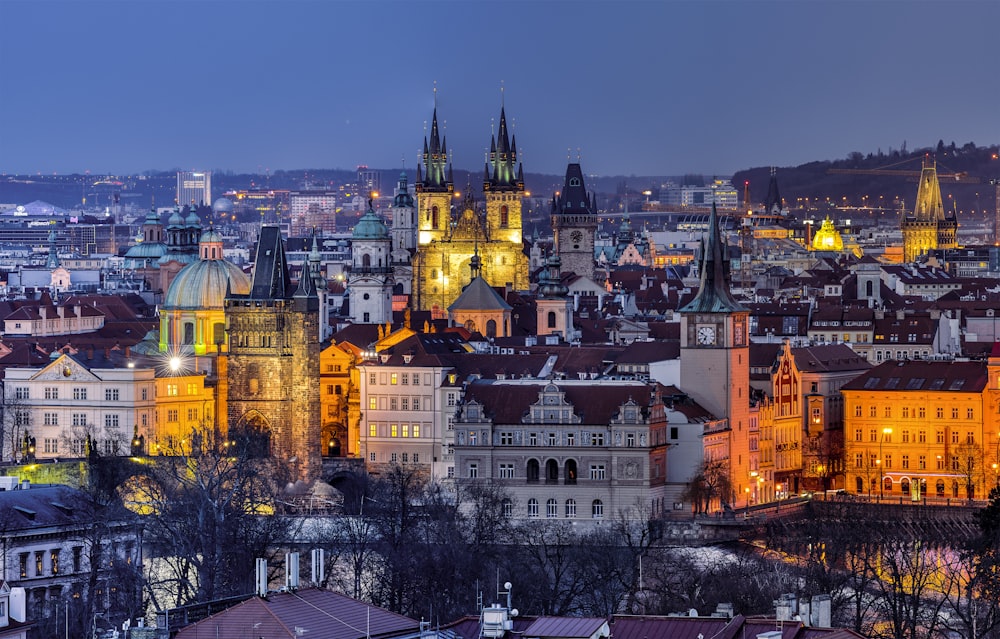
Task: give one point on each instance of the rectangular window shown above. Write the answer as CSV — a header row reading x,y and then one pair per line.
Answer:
x,y
78,446
24,564
857,410
79,393
906,412
373,403
51,392
77,558
50,419
371,378
859,460
416,379
39,562
393,458
21,392
406,430
171,415
451,472
51,445
597,439
939,436
922,462
954,437
372,430
873,435
416,433
145,394
406,379
506,471
871,410
54,560
79,419
922,436
371,456
416,403
906,437
393,430
954,413
406,457
922,412
473,471
532,439
405,403
970,413
393,403
597,471
888,411
393,378
940,412
970,438
506,438
171,391
906,462
416,458
451,399
111,394
888,461
940,462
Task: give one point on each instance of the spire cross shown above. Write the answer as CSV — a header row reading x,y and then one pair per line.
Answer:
x,y
435,89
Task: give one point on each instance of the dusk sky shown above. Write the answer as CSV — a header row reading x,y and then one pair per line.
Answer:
x,y
644,88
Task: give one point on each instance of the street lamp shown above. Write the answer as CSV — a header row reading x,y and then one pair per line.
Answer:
x,y
886,432
747,491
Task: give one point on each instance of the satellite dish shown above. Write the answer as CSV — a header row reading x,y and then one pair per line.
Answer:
x,y
507,585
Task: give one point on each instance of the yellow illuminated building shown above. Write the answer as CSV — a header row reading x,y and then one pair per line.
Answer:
x,y
827,238
447,239
919,429
185,411
928,226
338,383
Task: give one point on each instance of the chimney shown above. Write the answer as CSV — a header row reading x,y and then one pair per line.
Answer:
x,y
819,614
292,571
260,579
804,608
784,607
17,605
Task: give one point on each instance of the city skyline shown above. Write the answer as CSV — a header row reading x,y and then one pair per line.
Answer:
x,y
628,88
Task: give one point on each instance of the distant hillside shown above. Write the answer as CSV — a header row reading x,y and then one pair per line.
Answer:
x,y
813,181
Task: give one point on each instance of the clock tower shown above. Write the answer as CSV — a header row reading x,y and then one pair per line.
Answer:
x,y
574,221
715,367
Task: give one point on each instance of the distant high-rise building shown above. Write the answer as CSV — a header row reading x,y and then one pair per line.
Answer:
x,y
313,209
194,187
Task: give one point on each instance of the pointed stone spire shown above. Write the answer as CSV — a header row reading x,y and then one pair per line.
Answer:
x,y
713,295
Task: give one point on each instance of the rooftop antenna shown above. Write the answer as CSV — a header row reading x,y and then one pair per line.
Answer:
x,y
578,155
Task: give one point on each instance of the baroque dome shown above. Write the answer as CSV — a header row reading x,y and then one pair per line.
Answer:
x,y
202,285
370,227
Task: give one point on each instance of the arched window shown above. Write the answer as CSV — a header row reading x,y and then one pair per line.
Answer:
x,y
366,260
551,472
189,332
532,507
552,319
507,508
571,508
532,472
887,484
434,217
939,488
551,508
504,216
869,289
491,328
954,488
570,471
904,486
859,485
597,509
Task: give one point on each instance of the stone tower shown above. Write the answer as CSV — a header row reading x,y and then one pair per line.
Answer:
x,y
715,367
574,221
273,368
928,226
553,307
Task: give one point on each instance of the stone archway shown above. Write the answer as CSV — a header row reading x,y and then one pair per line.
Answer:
x,y
252,435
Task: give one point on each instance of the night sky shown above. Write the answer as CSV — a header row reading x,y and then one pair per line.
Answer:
x,y
644,88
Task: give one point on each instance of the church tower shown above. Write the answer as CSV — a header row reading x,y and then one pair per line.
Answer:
x,y
370,282
447,241
553,307
574,220
929,226
403,217
715,367
273,363
503,186
434,188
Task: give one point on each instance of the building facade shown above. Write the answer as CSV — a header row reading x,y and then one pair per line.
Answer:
x,y
194,187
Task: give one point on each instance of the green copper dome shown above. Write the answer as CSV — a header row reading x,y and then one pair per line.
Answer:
x,y
370,227
203,285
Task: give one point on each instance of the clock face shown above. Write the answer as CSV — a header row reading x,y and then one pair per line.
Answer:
x,y
576,236
706,335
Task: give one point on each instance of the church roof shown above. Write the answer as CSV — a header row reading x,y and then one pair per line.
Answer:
x,y
370,227
713,292
574,199
479,296
203,285
928,207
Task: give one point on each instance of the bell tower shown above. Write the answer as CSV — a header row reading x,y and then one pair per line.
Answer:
x,y
503,186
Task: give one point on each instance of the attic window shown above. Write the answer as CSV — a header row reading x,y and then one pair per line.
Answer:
x,y
872,382
30,514
892,383
957,384
936,384
915,383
